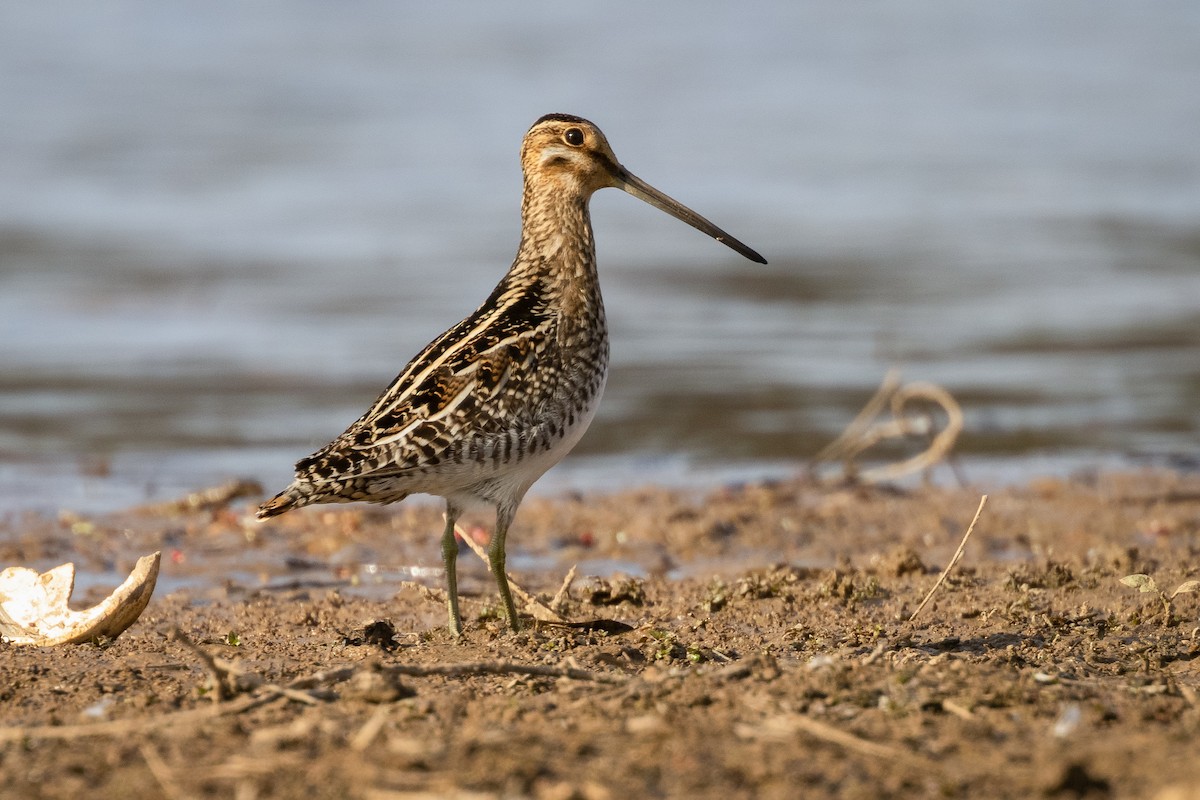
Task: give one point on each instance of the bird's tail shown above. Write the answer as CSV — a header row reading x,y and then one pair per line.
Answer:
x,y
289,498
303,493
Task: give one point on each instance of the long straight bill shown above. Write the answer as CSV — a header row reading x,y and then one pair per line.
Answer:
x,y
644,191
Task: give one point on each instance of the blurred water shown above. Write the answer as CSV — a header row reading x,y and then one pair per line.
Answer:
x,y
224,228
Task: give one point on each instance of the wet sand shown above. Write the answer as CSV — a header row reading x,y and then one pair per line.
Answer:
x,y
751,641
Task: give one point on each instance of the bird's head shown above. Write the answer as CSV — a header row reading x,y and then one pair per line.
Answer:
x,y
569,155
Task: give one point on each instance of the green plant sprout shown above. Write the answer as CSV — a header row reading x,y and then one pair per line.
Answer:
x,y
1147,585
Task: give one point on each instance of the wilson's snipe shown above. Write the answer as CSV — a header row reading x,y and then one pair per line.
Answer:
x,y
498,399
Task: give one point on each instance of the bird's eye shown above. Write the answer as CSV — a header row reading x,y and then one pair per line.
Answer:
x,y
573,137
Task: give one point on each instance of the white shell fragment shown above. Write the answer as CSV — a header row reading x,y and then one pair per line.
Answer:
x,y
33,606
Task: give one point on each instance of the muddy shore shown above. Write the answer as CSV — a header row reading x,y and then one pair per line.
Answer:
x,y
751,641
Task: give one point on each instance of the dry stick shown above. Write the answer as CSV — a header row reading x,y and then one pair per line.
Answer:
x,y
845,444
370,730
227,677
787,725
957,555
122,727
161,772
291,694
940,445
218,675
959,711
841,738
476,668
504,668
538,609
324,677
564,590
863,432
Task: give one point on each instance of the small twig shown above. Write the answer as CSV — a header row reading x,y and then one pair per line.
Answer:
x,y
957,555
882,647
125,727
323,678
216,674
292,694
841,738
370,730
962,712
785,726
564,591
228,679
161,772
845,445
504,668
864,432
940,444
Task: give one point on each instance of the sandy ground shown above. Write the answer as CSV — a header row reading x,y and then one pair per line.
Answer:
x,y
750,642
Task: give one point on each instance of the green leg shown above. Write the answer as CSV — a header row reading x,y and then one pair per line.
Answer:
x,y
504,516
450,560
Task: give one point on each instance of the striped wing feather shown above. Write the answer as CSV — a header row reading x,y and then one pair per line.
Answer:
x,y
477,380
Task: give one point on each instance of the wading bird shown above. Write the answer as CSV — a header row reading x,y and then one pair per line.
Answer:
x,y
491,404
